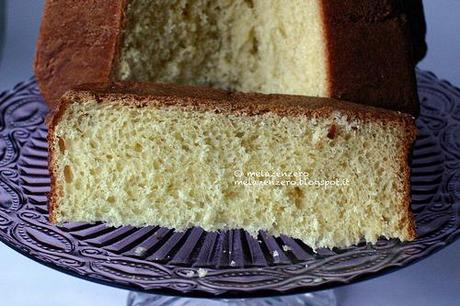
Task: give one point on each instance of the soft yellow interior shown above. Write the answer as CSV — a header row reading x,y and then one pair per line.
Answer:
x,y
177,168
270,46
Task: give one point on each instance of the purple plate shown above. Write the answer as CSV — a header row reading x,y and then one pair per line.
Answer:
x,y
230,263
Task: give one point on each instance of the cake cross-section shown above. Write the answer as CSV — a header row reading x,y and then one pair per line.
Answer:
x,y
325,171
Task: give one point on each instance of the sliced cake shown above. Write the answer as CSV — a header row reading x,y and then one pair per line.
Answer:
x,y
361,51
321,170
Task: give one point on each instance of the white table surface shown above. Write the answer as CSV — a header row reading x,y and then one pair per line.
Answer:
x,y
433,281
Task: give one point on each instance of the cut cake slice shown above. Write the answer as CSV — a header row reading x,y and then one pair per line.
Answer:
x,y
325,171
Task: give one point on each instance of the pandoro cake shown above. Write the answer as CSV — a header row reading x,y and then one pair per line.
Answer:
x,y
356,50
177,156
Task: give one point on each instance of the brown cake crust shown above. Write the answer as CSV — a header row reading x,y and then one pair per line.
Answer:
x,y
416,18
77,44
137,94
371,59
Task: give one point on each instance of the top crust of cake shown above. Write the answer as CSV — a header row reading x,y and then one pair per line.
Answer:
x,y
142,94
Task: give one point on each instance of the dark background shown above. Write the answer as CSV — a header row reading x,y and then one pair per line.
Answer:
x,y
433,281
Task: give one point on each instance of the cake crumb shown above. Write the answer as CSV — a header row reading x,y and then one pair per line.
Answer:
x,y
287,248
232,263
139,251
202,272
275,253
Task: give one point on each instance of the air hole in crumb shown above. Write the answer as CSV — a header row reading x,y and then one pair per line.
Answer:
x,y
186,11
332,131
297,195
229,194
254,43
68,176
61,144
111,199
250,3
138,147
